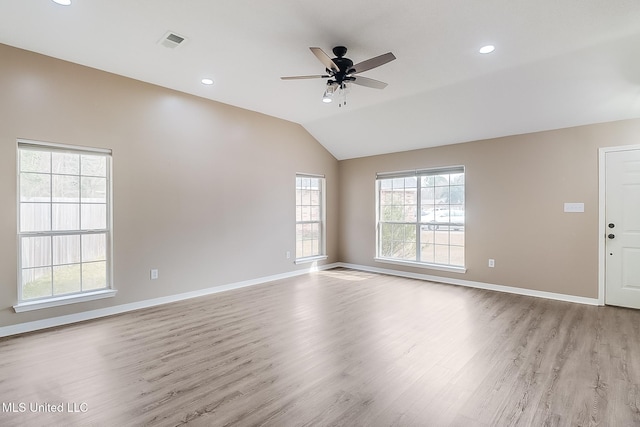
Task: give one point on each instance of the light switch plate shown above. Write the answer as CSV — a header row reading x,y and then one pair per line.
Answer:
x,y
574,207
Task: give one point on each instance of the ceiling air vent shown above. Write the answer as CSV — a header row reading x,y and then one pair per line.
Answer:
x,y
171,40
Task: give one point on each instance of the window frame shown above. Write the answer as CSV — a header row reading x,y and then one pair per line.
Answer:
x,y
322,248
418,174
72,297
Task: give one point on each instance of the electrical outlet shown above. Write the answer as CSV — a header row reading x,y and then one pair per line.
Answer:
x,y
154,273
288,254
492,262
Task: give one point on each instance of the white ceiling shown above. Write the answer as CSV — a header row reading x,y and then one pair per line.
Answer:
x,y
557,63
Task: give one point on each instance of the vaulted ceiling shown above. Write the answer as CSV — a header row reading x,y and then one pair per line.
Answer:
x,y
556,63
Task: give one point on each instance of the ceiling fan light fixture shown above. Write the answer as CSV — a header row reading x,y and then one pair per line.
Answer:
x,y
327,97
487,49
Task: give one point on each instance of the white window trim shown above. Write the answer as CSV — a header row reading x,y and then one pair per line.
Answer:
x,y
309,259
425,265
55,301
411,263
63,300
323,220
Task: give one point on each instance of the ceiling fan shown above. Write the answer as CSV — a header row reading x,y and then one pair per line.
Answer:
x,y
341,71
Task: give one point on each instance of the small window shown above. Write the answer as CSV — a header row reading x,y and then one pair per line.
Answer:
x,y
421,217
64,221
310,217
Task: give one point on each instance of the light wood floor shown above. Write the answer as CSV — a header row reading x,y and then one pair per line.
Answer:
x,y
339,347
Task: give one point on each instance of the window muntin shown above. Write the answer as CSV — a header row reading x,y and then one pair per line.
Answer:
x,y
421,217
310,205
64,220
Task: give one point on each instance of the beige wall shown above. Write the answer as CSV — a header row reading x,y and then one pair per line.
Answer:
x,y
202,191
515,192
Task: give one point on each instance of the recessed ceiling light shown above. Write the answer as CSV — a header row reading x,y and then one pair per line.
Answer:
x,y
487,49
63,2
207,82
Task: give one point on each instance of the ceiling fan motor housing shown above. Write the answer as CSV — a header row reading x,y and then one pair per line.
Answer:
x,y
344,64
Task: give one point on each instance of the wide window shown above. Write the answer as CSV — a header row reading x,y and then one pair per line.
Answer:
x,y
64,221
421,217
310,217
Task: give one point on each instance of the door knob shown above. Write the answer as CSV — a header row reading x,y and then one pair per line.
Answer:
x,y
611,236
611,225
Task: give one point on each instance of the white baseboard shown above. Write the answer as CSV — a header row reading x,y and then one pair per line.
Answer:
x,y
479,285
123,308
36,325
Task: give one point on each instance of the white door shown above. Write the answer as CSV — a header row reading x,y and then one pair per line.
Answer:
x,y
622,228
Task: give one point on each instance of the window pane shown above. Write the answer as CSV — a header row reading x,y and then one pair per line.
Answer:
x,y
94,247
315,197
35,217
440,180
391,213
36,251
94,190
66,279
315,247
409,251
428,196
315,213
66,189
442,235
65,216
427,235
409,233
35,161
35,187
93,165
386,240
456,194
306,213
65,163
427,253
94,276
457,255
66,249
457,179
36,282
457,237
94,217
441,254
441,195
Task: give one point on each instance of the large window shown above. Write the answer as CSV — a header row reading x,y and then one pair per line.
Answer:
x,y
310,206
64,221
421,217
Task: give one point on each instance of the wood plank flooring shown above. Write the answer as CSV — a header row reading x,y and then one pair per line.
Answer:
x,y
339,347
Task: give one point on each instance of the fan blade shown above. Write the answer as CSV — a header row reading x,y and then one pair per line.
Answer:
x,y
372,63
364,81
317,76
325,59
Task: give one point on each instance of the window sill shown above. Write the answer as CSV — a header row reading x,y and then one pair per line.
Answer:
x,y
439,267
310,259
63,300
